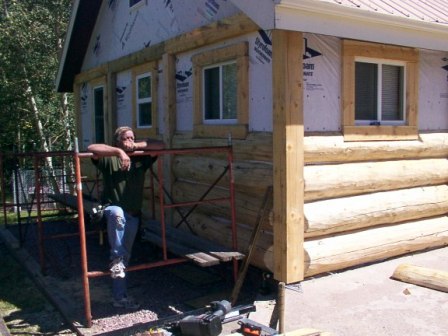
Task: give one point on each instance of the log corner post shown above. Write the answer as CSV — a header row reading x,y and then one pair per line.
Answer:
x,y
288,155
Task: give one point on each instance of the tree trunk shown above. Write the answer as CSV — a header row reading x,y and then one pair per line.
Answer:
x,y
43,142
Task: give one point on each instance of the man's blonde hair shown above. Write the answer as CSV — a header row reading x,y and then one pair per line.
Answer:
x,y
119,131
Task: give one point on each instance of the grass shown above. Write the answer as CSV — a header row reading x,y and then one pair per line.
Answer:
x,y
23,306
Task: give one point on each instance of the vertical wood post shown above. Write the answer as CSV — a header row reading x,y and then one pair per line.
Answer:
x,y
169,118
111,121
288,156
169,97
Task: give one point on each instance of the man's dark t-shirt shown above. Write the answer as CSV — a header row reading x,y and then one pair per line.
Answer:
x,y
124,188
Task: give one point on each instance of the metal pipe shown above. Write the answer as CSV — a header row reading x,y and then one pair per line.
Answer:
x,y
82,237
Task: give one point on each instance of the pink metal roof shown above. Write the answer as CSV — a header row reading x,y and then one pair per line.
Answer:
x,y
431,11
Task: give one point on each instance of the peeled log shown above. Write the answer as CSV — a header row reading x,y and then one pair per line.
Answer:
x,y
333,148
329,147
247,174
348,179
422,276
358,212
257,146
247,206
339,252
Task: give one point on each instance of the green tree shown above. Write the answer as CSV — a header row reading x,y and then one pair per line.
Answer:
x,y
33,116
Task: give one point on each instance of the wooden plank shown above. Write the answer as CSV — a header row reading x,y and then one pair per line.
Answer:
x,y
191,241
71,201
200,258
226,28
169,105
288,155
422,276
380,133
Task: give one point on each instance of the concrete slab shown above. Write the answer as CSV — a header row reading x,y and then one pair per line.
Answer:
x,y
365,301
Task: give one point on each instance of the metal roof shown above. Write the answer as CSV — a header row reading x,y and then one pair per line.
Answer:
x,y
431,11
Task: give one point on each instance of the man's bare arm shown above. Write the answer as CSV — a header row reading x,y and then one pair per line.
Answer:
x,y
148,145
100,150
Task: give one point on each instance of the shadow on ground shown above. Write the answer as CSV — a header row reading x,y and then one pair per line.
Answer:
x,y
163,292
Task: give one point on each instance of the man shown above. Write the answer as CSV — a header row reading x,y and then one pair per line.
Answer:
x,y
123,180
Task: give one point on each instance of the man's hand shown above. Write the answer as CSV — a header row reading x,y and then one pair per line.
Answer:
x,y
125,161
128,145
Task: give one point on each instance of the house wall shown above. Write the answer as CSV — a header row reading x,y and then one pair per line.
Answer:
x,y
121,31
322,86
337,174
260,88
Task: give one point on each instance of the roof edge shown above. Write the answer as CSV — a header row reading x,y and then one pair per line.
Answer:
x,y
325,8
66,43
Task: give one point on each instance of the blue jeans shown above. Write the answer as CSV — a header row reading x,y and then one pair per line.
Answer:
x,y
121,231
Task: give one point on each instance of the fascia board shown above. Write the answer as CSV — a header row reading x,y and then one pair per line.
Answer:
x,y
337,20
67,42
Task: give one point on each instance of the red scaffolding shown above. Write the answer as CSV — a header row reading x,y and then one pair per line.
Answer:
x,y
165,202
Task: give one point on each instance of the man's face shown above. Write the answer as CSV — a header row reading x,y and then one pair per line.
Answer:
x,y
127,140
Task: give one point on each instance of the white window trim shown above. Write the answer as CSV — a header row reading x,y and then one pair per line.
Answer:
x,y
382,62
139,101
221,120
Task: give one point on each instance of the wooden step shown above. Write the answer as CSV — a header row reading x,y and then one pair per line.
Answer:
x,y
180,242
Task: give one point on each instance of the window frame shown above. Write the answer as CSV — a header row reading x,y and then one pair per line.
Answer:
x,y
379,112
238,128
138,72
353,51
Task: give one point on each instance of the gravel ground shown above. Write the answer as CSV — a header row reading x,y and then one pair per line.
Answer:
x,y
163,292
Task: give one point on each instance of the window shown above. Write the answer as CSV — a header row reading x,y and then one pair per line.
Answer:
x,y
380,87
144,100
98,111
379,93
221,92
